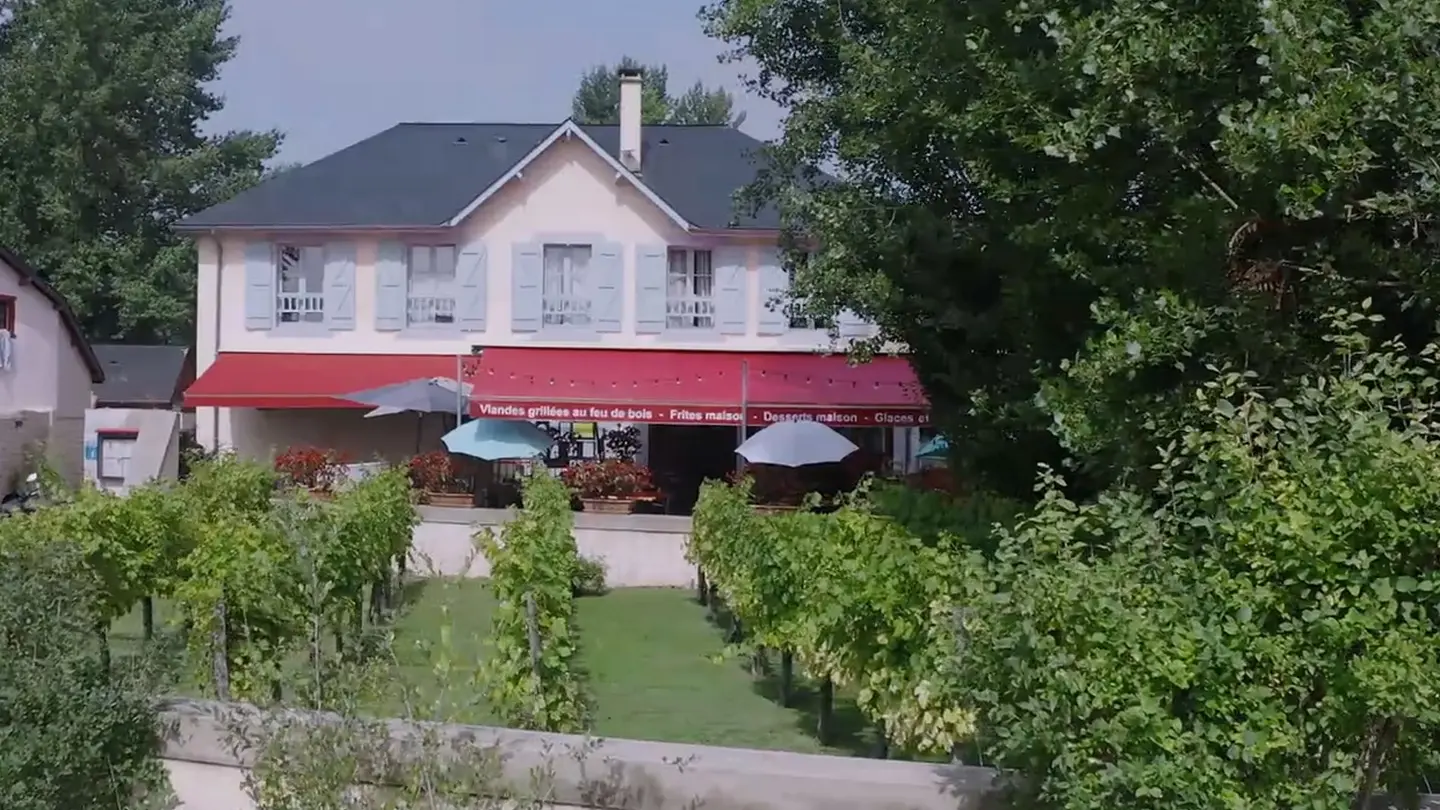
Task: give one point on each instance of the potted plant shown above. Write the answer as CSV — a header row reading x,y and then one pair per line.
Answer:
x,y
312,468
433,473
607,487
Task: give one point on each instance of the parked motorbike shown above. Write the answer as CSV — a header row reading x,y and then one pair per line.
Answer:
x,y
24,499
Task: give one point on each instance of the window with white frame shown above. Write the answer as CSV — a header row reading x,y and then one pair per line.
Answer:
x,y
431,280
795,307
112,456
299,284
566,286
690,290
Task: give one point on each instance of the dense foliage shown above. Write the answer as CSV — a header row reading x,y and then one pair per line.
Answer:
x,y
249,569
597,100
103,148
72,733
858,598
1066,211
1266,637
530,672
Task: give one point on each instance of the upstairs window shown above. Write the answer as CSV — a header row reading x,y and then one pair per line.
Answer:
x,y
565,285
7,314
430,278
690,290
299,284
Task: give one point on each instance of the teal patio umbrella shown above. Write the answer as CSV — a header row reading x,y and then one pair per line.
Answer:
x,y
497,440
937,447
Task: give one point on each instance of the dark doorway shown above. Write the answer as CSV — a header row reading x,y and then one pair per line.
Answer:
x,y
683,456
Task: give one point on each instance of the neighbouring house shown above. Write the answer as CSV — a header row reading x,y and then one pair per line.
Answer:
x,y
132,433
47,370
583,277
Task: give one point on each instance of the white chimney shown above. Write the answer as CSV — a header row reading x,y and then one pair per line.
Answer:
x,y
630,119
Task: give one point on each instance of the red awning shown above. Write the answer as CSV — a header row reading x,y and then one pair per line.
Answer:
x,y
692,387
275,380
590,385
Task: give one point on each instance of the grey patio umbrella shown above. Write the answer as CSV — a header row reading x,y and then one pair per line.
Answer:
x,y
423,395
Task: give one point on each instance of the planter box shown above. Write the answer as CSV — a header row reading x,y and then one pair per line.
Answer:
x,y
608,506
453,500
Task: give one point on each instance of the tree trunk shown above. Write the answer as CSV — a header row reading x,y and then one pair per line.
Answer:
x,y
103,633
826,711
147,616
787,677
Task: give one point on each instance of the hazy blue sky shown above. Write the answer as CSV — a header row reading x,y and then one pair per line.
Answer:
x,y
330,72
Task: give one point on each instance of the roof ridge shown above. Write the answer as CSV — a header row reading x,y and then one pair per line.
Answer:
x,y
551,125
479,124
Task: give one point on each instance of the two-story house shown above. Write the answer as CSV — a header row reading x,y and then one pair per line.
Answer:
x,y
575,273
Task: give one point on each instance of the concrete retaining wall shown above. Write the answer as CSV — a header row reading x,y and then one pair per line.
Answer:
x,y
638,550
206,774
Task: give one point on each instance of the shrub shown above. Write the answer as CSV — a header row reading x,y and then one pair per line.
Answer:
x,y
607,479
311,467
1259,632
534,561
930,514
589,577
72,734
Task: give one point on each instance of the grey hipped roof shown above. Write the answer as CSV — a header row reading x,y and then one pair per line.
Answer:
x,y
423,175
141,375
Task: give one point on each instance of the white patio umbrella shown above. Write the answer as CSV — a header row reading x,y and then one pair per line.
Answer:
x,y
796,444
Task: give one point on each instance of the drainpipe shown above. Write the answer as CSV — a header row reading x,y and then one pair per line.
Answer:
x,y
219,277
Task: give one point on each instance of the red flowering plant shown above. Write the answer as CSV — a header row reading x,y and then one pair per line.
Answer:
x,y
434,472
607,479
312,467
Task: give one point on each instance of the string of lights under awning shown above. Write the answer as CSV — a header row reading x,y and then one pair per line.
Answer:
x,y
583,384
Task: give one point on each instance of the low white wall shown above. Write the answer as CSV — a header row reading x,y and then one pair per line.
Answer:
x,y
638,550
206,772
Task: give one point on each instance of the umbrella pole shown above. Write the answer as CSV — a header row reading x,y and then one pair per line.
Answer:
x,y
459,386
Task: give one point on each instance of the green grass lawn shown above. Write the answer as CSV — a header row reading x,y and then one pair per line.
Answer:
x,y
650,659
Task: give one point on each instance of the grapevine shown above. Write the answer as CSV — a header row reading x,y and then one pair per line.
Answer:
x,y
530,673
859,599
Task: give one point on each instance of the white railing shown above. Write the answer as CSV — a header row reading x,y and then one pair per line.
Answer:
x,y
430,309
690,312
566,310
300,308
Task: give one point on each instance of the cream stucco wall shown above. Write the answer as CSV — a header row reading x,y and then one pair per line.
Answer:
x,y
49,382
567,190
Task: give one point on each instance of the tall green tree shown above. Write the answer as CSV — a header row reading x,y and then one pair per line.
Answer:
x,y
1068,211
101,107
597,100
